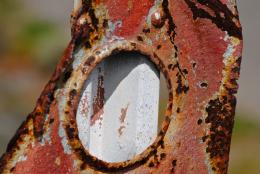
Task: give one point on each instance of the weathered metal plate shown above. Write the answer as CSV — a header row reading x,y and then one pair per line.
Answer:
x,y
196,44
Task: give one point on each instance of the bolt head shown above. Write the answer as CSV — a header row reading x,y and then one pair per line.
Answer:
x,y
158,18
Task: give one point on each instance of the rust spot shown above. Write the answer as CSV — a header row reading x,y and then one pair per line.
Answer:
x,y
139,38
185,71
178,110
98,102
221,121
130,5
181,88
236,68
90,60
122,119
203,84
204,138
105,23
162,156
161,143
194,65
120,130
171,28
159,47
12,169
174,164
17,137
151,164
66,76
172,66
51,121
199,121
146,30
123,113
97,116
97,53
70,132
72,94
87,44
57,161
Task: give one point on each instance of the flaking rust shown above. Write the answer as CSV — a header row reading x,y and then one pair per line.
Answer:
x,y
196,44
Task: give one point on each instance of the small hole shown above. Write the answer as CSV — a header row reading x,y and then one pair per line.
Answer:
x,y
199,122
203,85
122,107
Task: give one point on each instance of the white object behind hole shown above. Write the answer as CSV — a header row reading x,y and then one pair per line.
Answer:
x,y
128,123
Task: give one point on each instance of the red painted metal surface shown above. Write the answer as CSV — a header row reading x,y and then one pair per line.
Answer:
x,y
196,44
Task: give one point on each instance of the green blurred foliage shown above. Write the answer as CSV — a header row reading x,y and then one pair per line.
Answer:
x,y
29,37
32,34
7,6
39,40
245,126
245,146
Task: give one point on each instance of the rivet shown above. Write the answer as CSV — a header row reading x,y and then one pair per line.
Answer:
x,y
158,18
82,21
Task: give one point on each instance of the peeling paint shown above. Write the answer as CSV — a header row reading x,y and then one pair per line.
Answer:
x,y
196,45
64,140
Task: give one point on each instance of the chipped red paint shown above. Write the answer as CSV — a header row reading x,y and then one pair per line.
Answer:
x,y
50,157
131,13
196,45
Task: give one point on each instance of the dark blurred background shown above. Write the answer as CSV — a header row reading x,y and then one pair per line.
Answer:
x,y
34,33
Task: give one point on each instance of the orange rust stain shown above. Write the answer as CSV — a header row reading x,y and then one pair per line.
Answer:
x,y
130,5
122,119
98,103
123,114
120,130
96,116
85,106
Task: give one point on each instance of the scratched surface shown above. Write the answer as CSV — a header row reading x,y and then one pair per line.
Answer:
x,y
196,44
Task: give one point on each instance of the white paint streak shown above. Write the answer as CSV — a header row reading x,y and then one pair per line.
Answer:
x,y
231,48
64,141
22,158
46,138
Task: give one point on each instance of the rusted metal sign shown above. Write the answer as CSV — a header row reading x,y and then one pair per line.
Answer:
x,y
195,44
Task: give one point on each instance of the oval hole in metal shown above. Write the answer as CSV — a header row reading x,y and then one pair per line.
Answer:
x,y
117,117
